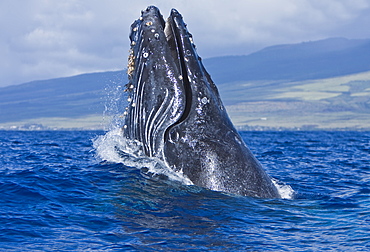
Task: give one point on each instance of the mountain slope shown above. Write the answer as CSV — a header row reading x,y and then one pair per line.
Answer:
x,y
309,60
75,96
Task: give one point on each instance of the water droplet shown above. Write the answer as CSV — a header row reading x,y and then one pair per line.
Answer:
x,y
180,77
145,55
156,35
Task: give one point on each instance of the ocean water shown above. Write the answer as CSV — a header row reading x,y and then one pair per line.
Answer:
x,y
68,191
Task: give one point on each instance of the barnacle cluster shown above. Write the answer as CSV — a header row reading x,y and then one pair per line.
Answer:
x,y
131,63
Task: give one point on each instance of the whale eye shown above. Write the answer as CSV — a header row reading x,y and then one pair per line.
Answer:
x,y
174,136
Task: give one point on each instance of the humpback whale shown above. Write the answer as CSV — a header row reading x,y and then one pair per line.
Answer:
x,y
175,112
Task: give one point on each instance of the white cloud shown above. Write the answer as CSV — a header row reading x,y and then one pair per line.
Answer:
x,y
48,38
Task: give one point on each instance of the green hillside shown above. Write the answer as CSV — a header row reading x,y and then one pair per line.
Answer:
x,y
332,103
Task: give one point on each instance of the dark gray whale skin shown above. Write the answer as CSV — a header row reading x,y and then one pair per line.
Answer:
x,y
175,112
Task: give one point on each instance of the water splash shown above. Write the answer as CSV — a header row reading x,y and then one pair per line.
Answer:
x,y
114,103
285,191
113,147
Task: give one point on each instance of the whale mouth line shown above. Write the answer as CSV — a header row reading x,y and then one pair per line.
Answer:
x,y
175,42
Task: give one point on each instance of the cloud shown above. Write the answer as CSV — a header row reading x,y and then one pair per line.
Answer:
x,y
48,38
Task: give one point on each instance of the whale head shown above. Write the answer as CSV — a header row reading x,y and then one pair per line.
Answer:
x,y
176,114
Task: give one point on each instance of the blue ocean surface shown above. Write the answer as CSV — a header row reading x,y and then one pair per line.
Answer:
x,y
66,191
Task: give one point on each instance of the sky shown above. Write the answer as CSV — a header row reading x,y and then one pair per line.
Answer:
x,y
43,39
